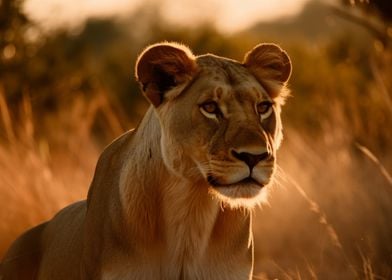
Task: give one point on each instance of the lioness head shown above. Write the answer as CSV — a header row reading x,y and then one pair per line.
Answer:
x,y
220,119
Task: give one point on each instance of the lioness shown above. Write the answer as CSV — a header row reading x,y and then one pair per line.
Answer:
x,y
172,198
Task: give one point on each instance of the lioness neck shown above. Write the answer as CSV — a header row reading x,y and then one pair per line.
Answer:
x,y
174,214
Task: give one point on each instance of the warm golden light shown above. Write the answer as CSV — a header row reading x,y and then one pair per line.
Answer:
x,y
229,16
68,89
9,51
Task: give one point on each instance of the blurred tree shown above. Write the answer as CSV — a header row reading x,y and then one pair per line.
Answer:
x,y
13,23
56,68
13,45
381,9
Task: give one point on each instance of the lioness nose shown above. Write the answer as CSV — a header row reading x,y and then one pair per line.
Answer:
x,y
250,159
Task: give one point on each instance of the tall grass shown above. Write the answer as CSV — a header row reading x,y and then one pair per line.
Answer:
x,y
39,176
329,214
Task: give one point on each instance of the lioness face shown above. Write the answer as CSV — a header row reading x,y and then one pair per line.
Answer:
x,y
220,119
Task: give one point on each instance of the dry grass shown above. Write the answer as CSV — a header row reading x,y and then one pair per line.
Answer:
x,y
37,178
328,217
329,214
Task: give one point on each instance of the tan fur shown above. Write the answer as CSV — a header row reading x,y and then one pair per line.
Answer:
x,y
171,199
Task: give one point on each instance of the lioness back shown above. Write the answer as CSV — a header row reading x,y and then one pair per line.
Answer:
x,y
40,251
23,258
62,239
64,236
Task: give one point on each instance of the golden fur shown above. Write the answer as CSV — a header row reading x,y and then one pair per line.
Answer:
x,y
172,199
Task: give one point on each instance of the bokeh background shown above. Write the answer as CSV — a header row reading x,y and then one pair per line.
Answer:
x,y
67,89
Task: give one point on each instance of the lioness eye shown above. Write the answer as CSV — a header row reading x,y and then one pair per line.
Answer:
x,y
210,107
264,109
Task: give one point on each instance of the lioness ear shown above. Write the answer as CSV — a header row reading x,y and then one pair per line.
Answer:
x,y
271,66
163,66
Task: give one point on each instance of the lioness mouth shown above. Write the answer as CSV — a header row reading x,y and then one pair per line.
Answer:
x,y
244,182
250,180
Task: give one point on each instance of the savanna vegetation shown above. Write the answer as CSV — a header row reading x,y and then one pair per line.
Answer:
x,y
66,94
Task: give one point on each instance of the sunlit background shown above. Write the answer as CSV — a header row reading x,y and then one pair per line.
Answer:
x,y
67,90
228,16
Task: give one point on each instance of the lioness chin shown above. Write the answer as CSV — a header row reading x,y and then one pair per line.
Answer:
x,y
165,199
